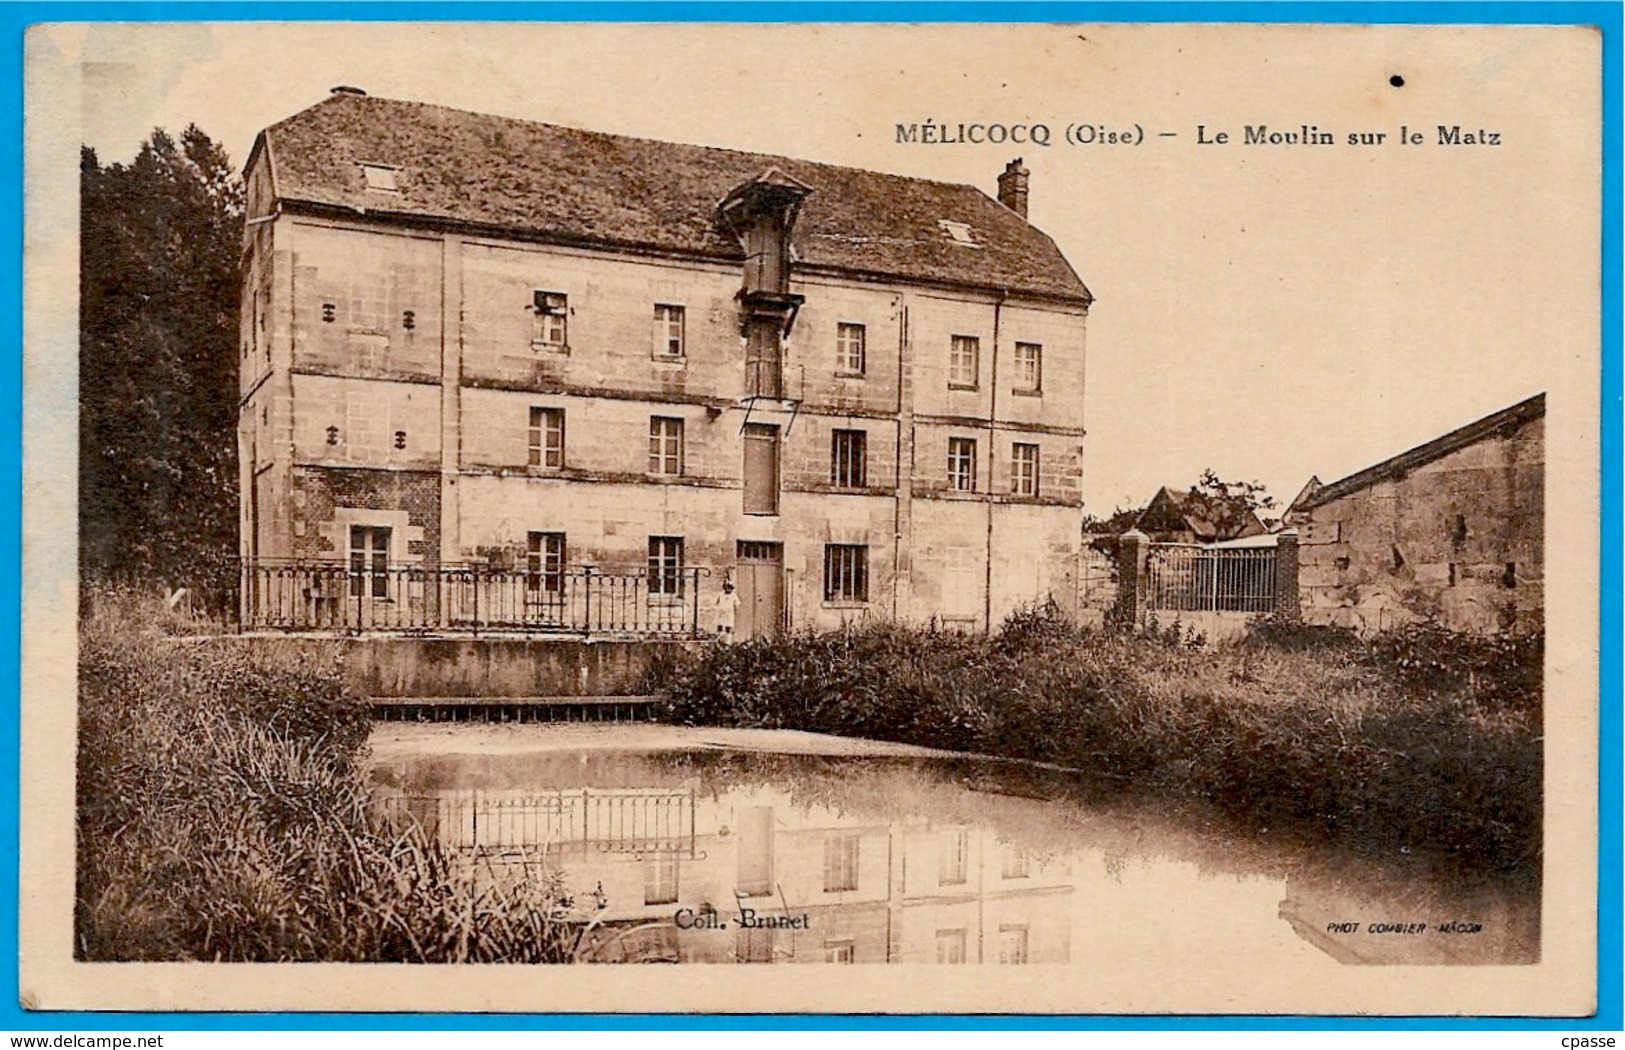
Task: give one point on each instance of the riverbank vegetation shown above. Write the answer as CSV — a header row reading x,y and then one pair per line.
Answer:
x,y
1419,739
223,813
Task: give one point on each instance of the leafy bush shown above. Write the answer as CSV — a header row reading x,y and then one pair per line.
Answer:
x,y
1175,634
1280,632
1502,669
224,813
1313,735
1035,627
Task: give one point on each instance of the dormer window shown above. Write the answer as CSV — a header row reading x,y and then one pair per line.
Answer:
x,y
958,232
380,177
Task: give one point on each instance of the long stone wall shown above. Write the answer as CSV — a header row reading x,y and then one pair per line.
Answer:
x,y
494,668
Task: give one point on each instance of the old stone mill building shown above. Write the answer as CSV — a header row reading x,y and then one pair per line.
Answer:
x,y
506,375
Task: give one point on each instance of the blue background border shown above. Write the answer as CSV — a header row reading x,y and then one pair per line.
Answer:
x,y
14,19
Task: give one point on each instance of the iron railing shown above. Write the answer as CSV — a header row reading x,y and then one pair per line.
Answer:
x,y
1185,578
1097,579
309,596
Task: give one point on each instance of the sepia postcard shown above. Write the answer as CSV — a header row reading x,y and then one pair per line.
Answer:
x,y
1021,518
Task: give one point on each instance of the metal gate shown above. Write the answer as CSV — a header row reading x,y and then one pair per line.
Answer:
x,y
1183,577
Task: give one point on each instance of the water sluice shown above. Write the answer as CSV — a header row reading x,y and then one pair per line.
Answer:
x,y
632,708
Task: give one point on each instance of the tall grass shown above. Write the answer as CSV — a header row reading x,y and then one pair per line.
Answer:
x,y
1422,741
223,813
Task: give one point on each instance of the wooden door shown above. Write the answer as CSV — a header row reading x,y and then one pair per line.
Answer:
x,y
754,877
761,469
760,586
371,601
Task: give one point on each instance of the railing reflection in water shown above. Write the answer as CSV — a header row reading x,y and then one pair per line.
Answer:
x,y
639,822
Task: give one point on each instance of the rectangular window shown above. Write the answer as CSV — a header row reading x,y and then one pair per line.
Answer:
x,y
668,334
840,951
1012,944
761,469
962,361
666,565
665,445
255,324
1029,368
547,437
369,561
753,866
1014,864
840,863
263,294
849,458
846,572
764,365
954,862
367,303
850,357
363,428
660,879
544,563
550,328
962,464
1023,469
951,946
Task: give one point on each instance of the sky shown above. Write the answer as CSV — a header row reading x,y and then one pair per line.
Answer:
x,y
1270,311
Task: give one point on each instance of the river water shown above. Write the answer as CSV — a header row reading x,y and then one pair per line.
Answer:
x,y
705,846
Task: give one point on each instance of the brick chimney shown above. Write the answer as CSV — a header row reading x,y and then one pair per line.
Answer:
x,y
1013,187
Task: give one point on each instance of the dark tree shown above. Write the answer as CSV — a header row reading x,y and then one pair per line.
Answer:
x,y
161,240
1229,505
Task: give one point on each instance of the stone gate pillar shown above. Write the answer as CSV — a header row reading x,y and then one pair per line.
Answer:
x,y
1133,548
1287,605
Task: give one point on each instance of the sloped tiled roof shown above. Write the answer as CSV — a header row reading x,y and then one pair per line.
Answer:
x,y
1167,513
574,186
1506,420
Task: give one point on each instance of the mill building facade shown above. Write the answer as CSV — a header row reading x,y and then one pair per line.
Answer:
x,y
502,375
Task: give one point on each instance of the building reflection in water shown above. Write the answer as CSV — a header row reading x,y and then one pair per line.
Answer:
x,y
747,876
669,856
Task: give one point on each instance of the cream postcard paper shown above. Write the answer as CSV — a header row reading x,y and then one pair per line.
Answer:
x,y
957,293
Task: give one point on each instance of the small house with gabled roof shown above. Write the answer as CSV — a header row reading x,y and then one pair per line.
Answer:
x,y
499,374
1173,516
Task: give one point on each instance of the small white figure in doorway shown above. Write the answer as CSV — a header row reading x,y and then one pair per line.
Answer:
x,y
727,606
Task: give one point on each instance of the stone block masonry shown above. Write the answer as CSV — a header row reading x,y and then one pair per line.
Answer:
x,y
1451,532
486,668
429,391
326,501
